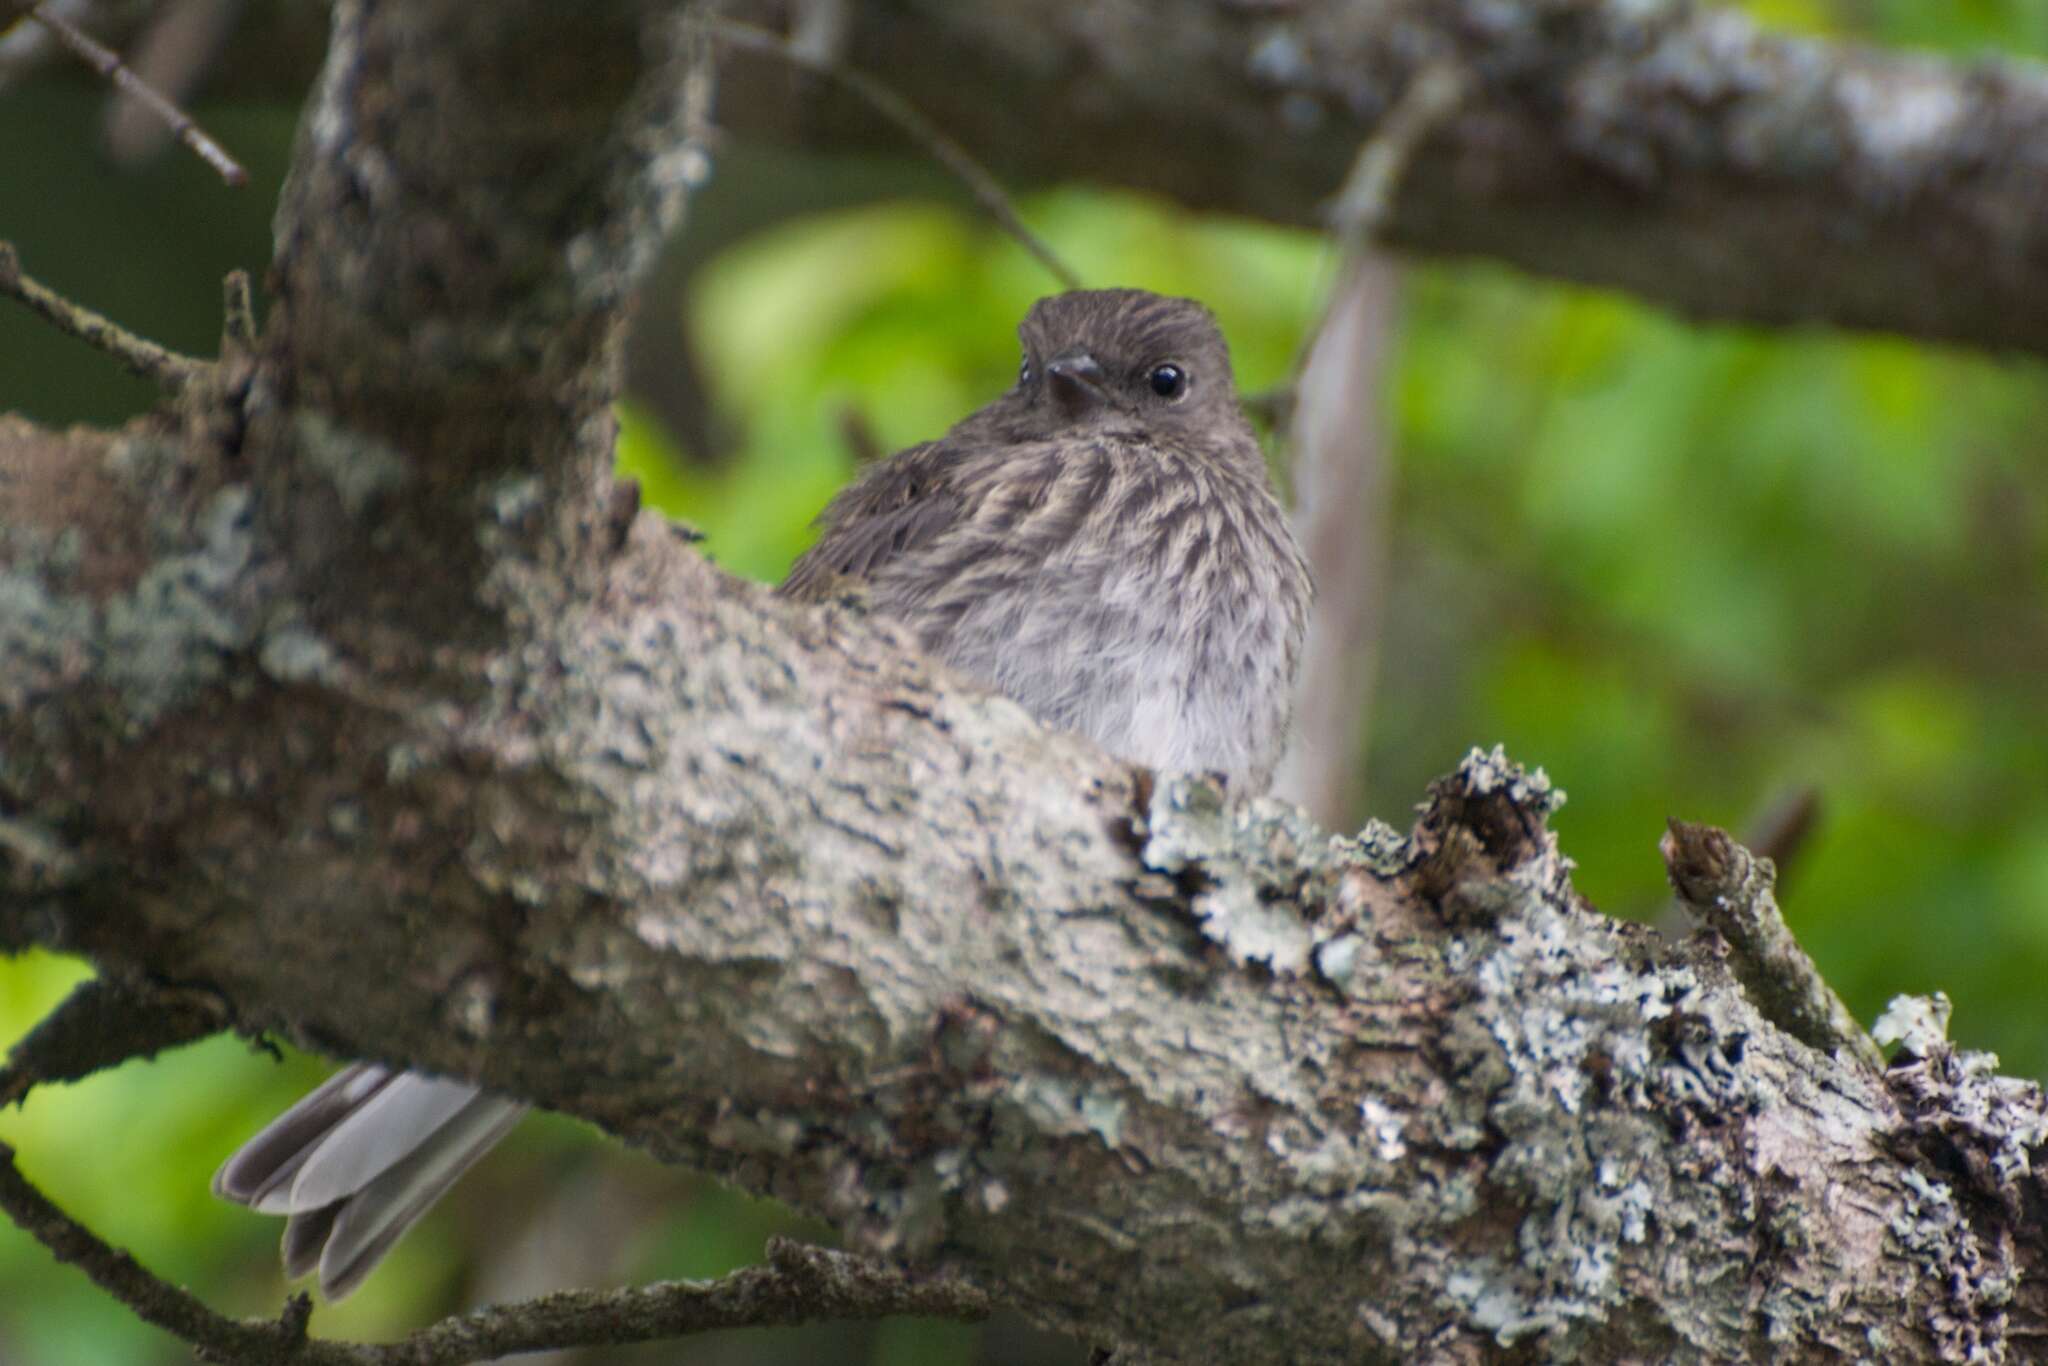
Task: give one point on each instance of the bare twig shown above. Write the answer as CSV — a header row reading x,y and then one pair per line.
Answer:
x,y
1366,202
921,130
169,369
174,51
799,1284
121,1276
1780,831
818,29
108,63
1776,830
859,435
1728,890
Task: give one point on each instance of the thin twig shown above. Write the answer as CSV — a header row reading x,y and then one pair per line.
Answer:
x,y
178,42
1778,831
1338,436
859,435
1366,202
1781,830
169,369
799,1284
109,65
120,1275
899,111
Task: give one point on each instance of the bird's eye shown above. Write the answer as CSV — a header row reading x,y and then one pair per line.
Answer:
x,y
1169,381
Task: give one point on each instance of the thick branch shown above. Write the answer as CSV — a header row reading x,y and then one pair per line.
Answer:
x,y
476,191
1671,149
354,693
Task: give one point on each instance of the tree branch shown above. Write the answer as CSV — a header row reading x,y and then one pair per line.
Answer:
x,y
1728,890
357,693
799,1284
102,1024
145,358
1674,150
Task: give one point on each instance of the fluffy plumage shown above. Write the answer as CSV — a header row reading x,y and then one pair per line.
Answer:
x,y
1100,543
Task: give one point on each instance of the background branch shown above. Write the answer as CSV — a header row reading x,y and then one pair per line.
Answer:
x,y
798,1284
170,370
1676,151
373,703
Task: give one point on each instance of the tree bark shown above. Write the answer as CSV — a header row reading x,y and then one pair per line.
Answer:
x,y
352,688
1671,149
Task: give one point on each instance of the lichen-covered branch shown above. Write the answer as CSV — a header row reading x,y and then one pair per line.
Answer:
x,y
353,691
798,1284
1727,889
1672,149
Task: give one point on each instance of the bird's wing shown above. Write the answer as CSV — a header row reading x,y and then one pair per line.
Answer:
x,y
897,507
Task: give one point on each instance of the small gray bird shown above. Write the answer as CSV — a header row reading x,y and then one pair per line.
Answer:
x,y
1100,543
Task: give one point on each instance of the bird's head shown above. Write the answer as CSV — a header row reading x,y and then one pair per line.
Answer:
x,y
1107,359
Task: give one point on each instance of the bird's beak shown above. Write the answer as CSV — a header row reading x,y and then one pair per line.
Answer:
x,y
1077,382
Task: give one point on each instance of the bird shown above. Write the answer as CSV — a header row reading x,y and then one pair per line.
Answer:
x,y
1101,543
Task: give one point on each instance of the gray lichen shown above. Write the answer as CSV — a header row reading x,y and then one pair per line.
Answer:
x,y
360,468
1918,1023
42,633
292,652
1485,772
170,635
1249,903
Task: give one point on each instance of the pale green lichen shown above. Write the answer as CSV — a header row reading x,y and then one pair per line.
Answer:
x,y
172,633
1918,1023
1558,1029
1104,1115
293,653
1051,1106
346,819
1379,846
38,630
514,498
146,464
1930,1227
360,468
1485,772
1337,960
1242,851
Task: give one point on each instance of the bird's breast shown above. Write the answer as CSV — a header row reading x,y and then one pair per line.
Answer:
x,y
1159,616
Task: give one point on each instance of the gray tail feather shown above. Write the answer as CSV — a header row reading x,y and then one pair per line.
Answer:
x,y
358,1161
261,1171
